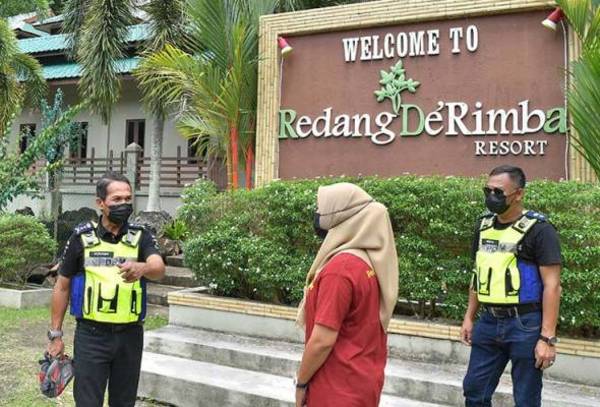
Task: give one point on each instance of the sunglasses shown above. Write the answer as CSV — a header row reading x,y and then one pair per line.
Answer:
x,y
497,191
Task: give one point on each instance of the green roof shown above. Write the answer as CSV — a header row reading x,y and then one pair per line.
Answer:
x,y
28,28
73,70
58,42
50,20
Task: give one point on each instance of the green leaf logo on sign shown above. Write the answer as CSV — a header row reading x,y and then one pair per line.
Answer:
x,y
393,83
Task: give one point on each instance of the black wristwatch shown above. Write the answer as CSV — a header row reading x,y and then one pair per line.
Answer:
x,y
552,341
301,386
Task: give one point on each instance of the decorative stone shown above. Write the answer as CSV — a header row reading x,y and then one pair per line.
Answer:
x,y
154,221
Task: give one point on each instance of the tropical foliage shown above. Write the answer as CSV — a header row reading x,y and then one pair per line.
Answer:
x,y
21,79
16,176
212,83
584,94
259,244
167,27
98,32
13,7
213,86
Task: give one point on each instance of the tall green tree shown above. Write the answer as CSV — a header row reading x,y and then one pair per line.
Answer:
x,y
90,20
584,94
21,80
167,27
98,31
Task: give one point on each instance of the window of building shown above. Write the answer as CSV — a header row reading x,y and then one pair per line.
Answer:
x,y
78,148
136,131
27,132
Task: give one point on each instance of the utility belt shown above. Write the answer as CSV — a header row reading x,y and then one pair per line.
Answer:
x,y
108,327
504,311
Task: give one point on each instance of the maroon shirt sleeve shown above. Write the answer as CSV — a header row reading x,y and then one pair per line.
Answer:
x,y
333,301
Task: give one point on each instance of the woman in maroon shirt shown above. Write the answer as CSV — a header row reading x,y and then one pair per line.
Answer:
x,y
352,288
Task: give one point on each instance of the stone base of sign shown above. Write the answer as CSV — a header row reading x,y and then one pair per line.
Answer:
x,y
29,297
577,362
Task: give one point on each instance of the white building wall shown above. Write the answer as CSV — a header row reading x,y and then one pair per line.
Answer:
x,y
129,107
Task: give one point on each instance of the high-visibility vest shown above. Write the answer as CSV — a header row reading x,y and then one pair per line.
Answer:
x,y
99,293
500,277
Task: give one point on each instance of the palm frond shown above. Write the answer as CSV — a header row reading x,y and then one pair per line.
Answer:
x,y
167,24
584,94
165,76
74,12
104,35
29,73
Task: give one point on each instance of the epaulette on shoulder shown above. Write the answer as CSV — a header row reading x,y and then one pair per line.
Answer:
x,y
83,228
486,221
136,226
540,217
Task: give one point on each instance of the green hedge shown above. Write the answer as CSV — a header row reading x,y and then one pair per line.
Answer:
x,y
24,245
259,244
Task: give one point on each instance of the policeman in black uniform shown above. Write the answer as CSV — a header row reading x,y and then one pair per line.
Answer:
x,y
103,273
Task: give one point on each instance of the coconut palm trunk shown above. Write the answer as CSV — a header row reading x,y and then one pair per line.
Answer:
x,y
158,128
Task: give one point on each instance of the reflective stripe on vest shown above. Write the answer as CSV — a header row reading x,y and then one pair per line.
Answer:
x,y
100,294
499,275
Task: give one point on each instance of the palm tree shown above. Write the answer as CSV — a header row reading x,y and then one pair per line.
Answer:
x,y
166,27
214,85
21,80
91,20
98,31
584,94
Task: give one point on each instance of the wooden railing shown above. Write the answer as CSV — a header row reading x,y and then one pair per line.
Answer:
x,y
175,172
87,171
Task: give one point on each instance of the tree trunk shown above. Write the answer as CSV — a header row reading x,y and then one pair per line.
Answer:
x,y
233,132
155,156
55,200
107,143
249,166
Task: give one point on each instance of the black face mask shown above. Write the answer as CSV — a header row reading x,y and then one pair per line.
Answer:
x,y
119,214
496,203
322,233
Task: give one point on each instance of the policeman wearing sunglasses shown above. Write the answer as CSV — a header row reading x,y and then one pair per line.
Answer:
x,y
516,282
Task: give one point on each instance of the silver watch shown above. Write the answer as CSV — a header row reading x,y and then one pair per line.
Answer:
x,y
54,334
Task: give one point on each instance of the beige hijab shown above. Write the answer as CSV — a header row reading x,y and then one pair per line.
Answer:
x,y
357,224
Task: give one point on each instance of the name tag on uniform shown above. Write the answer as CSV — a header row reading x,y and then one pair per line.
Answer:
x,y
489,245
102,254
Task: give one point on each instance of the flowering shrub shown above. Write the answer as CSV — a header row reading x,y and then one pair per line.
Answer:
x,y
259,244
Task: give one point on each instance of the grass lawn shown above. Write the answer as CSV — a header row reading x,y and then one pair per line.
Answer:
x,y
22,343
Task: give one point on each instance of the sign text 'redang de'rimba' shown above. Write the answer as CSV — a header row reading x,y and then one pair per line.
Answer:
x,y
448,118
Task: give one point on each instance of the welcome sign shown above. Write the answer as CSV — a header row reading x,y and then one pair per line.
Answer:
x,y
454,97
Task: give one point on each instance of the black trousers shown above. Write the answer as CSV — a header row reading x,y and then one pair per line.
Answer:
x,y
107,354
